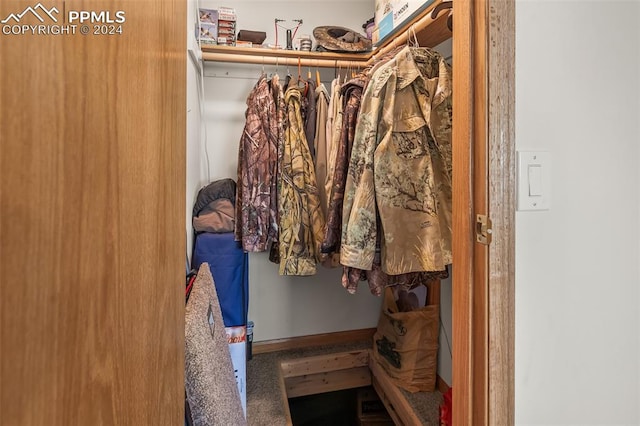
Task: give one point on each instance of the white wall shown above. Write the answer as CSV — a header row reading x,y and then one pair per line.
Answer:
x,y
281,306
577,274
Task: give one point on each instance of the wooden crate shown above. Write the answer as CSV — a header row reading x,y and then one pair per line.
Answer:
x,y
371,410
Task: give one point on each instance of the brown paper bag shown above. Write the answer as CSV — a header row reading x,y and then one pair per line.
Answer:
x,y
406,344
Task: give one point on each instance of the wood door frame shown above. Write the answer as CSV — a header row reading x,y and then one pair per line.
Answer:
x,y
484,183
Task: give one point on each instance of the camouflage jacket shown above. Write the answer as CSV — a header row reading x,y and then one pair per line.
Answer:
x,y
320,143
256,220
351,96
334,126
400,168
301,220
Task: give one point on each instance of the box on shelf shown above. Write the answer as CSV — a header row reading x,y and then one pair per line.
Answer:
x,y
227,14
208,26
255,37
226,41
227,26
391,14
217,26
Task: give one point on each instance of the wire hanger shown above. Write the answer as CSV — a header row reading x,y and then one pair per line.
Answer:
x,y
412,38
276,77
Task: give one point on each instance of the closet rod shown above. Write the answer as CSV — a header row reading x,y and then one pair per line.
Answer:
x,y
283,62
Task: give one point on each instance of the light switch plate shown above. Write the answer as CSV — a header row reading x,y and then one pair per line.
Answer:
x,y
534,177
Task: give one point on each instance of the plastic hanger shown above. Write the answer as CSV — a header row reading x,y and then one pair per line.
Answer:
x,y
302,84
444,6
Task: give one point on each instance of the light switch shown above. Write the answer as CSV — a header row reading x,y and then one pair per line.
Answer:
x,y
534,180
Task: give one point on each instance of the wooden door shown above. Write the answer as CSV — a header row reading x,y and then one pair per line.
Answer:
x,y
484,184
92,163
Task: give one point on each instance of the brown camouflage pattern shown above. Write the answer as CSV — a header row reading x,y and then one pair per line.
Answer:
x,y
378,279
400,168
256,208
301,222
352,97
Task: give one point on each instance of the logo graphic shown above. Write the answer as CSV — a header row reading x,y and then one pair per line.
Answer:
x,y
387,349
69,22
34,11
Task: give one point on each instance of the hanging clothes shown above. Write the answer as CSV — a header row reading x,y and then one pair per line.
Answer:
x,y
351,97
256,207
301,219
335,102
320,143
378,280
400,168
278,99
309,114
334,127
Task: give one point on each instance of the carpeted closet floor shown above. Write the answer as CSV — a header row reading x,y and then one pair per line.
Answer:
x,y
264,393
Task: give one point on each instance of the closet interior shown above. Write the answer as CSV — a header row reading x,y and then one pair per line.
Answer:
x,y
310,335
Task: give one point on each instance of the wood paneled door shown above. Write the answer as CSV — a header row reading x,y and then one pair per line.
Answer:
x,y
92,163
484,184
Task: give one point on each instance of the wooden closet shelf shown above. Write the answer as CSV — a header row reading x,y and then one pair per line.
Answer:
x,y
429,32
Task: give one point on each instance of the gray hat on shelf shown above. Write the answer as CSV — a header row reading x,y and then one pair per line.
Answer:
x,y
340,39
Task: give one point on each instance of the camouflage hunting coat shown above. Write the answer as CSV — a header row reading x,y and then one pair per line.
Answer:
x,y
400,168
301,220
351,96
256,209
334,126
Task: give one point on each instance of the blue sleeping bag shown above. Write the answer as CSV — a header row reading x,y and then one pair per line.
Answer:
x,y
229,266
